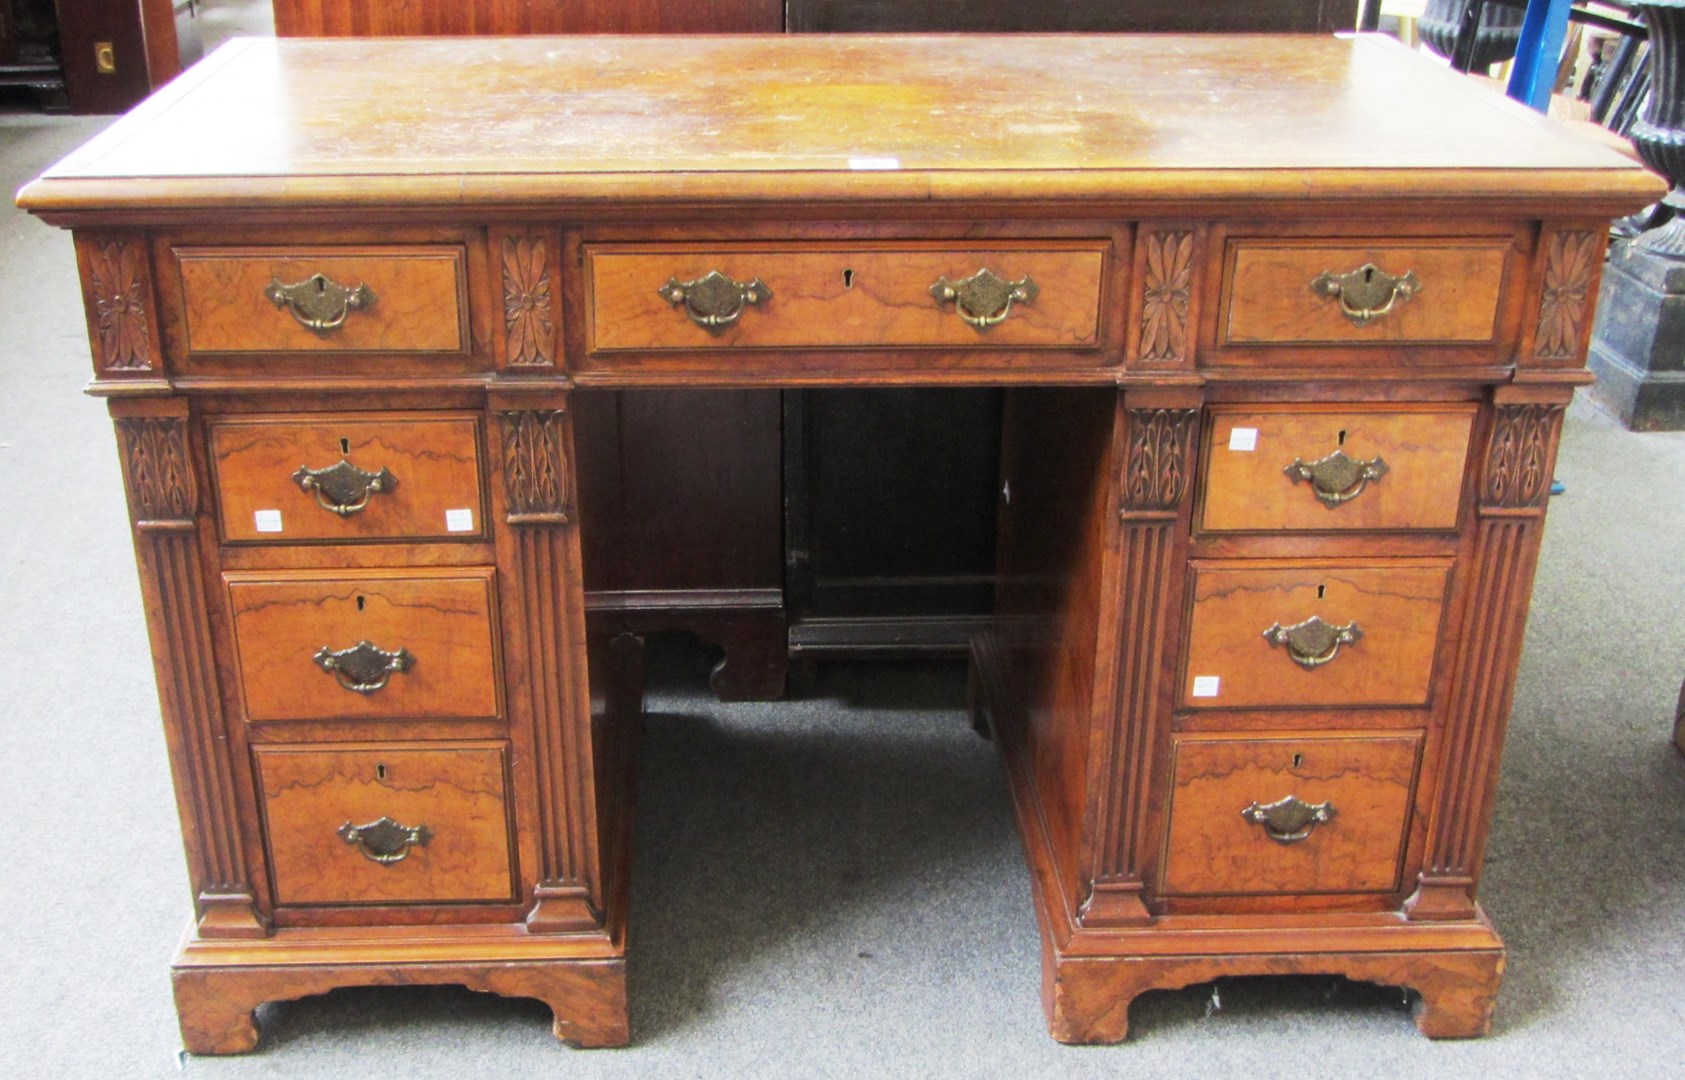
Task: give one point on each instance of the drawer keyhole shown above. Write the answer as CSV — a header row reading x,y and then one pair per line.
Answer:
x,y
1298,760
1321,591
380,770
345,444
1342,441
361,601
848,279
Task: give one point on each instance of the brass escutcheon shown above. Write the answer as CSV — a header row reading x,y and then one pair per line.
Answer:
x,y
984,299
1288,820
714,301
1366,293
385,841
1313,642
343,488
364,667
319,303
1337,478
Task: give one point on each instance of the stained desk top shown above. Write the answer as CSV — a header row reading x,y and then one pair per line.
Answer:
x,y
523,121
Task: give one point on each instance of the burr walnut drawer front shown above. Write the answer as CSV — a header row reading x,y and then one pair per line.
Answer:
x,y
887,295
374,824
1288,814
351,477
303,300
365,644
1297,291
1274,633
1335,467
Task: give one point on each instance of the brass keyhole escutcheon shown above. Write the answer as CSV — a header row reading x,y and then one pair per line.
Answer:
x,y
1289,820
1367,293
715,301
385,841
365,667
320,304
1337,478
342,488
1313,642
985,298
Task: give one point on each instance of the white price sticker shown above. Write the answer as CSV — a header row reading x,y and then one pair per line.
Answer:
x,y
1244,439
874,164
459,520
1206,685
267,521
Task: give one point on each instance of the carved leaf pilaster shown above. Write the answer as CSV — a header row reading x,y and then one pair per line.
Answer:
x,y
1158,457
1167,290
163,500
120,297
1157,466
1518,461
528,306
535,468
160,473
545,642
1513,490
1565,303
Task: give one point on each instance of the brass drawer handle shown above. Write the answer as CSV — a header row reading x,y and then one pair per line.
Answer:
x,y
319,303
984,299
714,301
1366,293
1337,478
1290,820
385,841
343,488
364,667
1313,642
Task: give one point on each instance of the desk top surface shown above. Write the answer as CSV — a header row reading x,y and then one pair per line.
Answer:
x,y
511,121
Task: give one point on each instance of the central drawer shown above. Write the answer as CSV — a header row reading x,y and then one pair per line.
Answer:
x,y
1042,294
372,824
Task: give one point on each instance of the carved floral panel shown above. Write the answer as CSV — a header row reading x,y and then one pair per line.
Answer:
x,y
1167,288
1571,262
120,297
528,308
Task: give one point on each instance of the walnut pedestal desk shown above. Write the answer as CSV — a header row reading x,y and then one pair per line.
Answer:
x,y
1287,328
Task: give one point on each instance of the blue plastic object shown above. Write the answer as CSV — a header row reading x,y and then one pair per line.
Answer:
x,y
1539,52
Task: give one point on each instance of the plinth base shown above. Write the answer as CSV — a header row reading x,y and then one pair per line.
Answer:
x,y
220,984
1091,974
1638,341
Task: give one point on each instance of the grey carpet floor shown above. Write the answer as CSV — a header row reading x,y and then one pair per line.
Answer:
x,y
829,886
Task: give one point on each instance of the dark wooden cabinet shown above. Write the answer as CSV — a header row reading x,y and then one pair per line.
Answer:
x,y
889,508
1084,16
681,493
30,54
93,56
